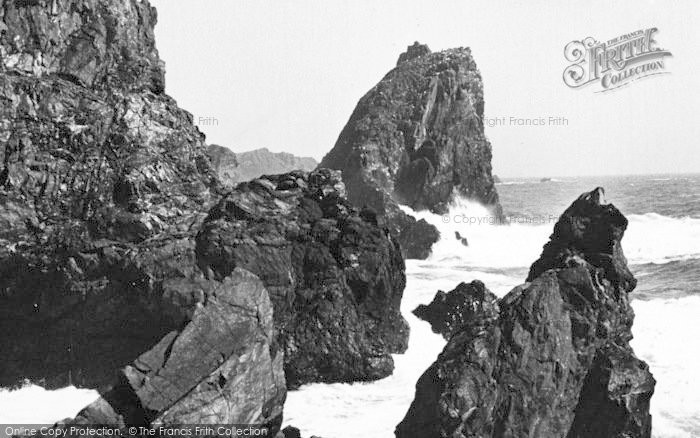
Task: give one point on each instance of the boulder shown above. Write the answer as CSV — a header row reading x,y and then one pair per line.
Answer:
x,y
555,360
417,139
220,367
335,277
463,240
290,432
448,312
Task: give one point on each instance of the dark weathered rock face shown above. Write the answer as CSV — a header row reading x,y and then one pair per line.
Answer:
x,y
335,277
95,43
221,366
589,230
100,174
233,168
556,360
615,398
417,138
448,312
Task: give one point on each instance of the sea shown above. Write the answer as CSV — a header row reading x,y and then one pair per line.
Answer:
x,y
662,245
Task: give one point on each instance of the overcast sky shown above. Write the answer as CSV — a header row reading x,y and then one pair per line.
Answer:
x,y
286,75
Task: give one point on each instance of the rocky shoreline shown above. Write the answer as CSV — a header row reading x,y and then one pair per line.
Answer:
x,y
128,263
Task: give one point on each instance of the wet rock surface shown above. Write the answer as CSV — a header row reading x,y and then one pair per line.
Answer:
x,y
335,277
221,366
556,359
417,139
448,312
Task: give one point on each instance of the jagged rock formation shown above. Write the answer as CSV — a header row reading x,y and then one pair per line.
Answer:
x,y
448,312
233,168
220,367
336,278
556,360
94,43
100,171
417,138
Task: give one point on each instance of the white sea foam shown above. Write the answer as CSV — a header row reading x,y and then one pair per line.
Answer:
x,y
650,238
490,245
665,335
653,238
33,404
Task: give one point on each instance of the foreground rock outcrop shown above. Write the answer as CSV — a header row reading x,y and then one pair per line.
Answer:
x,y
417,139
221,367
233,168
335,277
555,360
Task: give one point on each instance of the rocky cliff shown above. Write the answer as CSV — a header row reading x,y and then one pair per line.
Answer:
x,y
336,278
233,168
97,163
417,139
120,267
553,357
